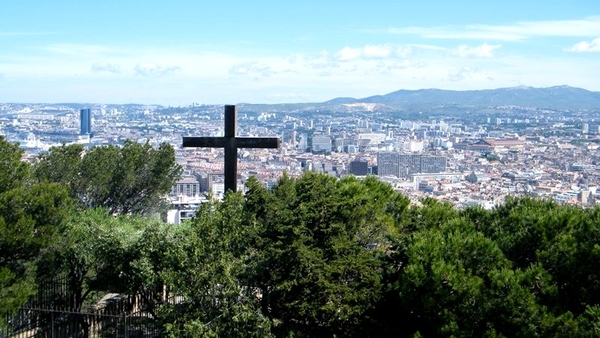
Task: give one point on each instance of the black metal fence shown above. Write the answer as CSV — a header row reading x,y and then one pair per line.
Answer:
x,y
45,323
50,314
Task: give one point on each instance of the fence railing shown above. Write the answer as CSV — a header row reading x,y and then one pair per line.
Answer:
x,y
114,315
44,323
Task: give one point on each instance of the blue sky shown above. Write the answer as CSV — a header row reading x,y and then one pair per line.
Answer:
x,y
178,52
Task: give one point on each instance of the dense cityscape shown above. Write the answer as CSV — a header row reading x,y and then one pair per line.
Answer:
x,y
466,159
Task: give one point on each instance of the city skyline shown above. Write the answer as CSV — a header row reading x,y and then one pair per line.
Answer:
x,y
233,52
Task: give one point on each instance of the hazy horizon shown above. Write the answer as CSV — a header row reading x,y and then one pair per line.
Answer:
x,y
266,103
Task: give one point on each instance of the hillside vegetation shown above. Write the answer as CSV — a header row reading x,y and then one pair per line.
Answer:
x,y
315,257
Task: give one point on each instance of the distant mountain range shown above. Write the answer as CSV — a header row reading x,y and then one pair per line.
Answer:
x,y
555,98
558,97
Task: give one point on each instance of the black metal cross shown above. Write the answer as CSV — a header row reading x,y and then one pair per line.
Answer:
x,y
231,143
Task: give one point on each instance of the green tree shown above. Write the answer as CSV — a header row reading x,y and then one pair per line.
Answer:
x,y
99,253
30,216
133,178
206,274
452,281
518,228
13,171
90,254
318,249
61,165
561,239
148,259
570,252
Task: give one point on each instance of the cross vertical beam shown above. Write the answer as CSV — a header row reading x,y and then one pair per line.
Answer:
x,y
231,143
230,149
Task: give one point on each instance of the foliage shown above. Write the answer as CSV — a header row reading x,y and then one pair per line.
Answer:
x,y
318,246
30,215
13,171
456,282
205,274
562,239
128,179
316,256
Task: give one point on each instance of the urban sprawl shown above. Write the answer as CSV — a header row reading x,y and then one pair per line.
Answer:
x,y
465,159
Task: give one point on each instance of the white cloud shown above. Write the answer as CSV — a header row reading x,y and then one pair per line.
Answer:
x,y
425,47
470,78
376,52
251,68
321,61
372,52
481,51
348,54
460,74
518,31
152,69
106,67
584,27
388,67
585,46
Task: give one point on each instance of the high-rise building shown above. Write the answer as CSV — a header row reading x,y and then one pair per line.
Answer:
x,y
408,164
359,167
85,118
433,164
321,143
387,164
405,165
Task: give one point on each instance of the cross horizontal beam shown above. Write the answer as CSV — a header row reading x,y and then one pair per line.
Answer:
x,y
237,142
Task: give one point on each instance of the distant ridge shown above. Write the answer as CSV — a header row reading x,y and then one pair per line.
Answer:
x,y
557,97
343,100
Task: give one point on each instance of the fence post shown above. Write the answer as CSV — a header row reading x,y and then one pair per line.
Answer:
x,y
125,326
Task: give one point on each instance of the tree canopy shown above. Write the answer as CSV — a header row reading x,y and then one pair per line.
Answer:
x,y
314,257
132,178
30,216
